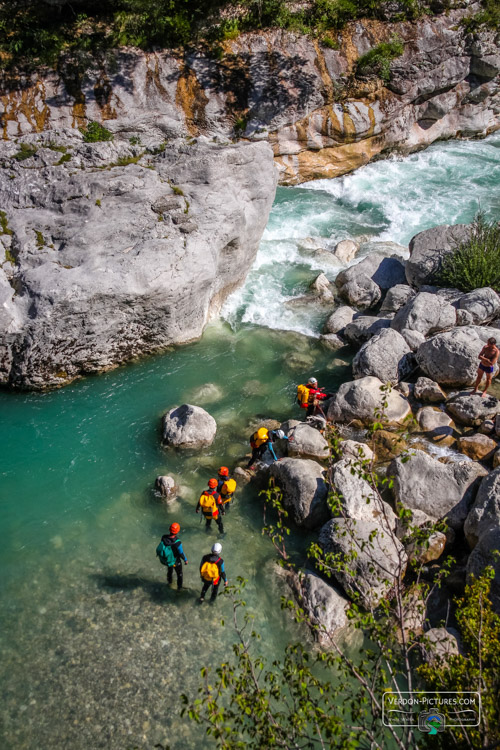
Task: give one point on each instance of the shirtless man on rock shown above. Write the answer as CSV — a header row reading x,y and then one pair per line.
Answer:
x,y
488,357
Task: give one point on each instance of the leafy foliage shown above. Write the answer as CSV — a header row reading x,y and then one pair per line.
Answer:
x,y
25,151
95,132
474,263
488,17
377,61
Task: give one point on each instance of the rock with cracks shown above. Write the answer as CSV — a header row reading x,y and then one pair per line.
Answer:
x,y
451,358
306,442
372,561
304,490
485,512
324,604
188,426
442,491
359,500
472,409
386,356
362,399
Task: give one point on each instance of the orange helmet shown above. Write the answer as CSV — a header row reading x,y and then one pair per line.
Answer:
x,y
223,471
175,528
212,483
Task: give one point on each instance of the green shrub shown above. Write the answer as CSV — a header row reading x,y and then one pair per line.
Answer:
x,y
25,151
64,158
4,224
377,61
95,132
475,263
488,17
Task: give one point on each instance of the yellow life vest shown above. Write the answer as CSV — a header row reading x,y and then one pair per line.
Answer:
x,y
208,504
210,572
227,490
260,437
303,396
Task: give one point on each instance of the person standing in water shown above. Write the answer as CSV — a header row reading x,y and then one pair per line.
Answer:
x,y
171,554
488,357
209,504
225,487
211,572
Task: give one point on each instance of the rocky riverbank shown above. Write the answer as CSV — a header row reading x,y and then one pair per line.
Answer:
x,y
309,101
110,250
439,445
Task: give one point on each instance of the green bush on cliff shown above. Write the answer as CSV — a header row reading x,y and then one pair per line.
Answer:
x,y
95,132
377,61
488,16
474,263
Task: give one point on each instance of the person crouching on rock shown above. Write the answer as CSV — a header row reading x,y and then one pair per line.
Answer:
x,y
209,504
488,357
226,488
261,441
211,571
171,554
309,397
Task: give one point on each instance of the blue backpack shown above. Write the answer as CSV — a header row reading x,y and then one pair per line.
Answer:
x,y
165,553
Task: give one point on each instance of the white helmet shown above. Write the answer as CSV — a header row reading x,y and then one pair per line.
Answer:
x,y
217,548
312,381
280,434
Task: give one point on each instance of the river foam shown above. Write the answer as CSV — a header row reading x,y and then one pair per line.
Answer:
x,y
385,200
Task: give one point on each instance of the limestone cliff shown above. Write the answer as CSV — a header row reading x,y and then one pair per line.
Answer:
x,y
321,120
109,251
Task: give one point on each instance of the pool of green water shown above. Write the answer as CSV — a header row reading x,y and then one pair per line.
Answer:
x,y
96,649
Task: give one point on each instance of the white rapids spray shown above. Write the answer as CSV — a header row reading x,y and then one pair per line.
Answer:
x,y
386,200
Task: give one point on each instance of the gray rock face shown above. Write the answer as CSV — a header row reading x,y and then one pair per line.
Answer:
x,y
165,486
482,556
414,339
363,328
378,563
360,399
359,500
398,296
481,304
324,604
386,356
451,358
307,442
383,271
425,313
332,341
440,490
188,426
428,391
116,261
338,320
304,490
427,250
486,509
361,292
353,450
471,409
346,250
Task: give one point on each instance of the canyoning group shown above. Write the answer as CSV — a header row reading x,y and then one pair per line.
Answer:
x,y
215,501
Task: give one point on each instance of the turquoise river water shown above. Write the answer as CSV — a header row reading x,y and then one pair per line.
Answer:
x,y
95,648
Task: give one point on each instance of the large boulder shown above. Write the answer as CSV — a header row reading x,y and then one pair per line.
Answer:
x,y
439,644
386,356
356,282
428,248
304,490
356,451
451,358
363,328
425,313
188,426
482,304
442,491
361,399
483,555
471,409
339,319
359,499
345,250
486,509
119,252
306,442
324,604
396,298
374,559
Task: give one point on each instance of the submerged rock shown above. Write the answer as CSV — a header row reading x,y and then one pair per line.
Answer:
x,y
188,426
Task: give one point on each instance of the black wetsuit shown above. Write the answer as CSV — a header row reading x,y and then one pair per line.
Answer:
x,y
176,545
